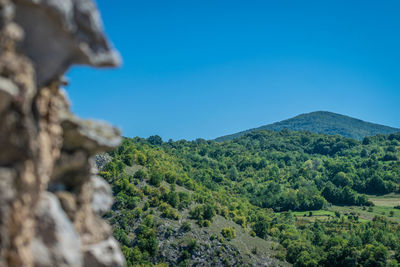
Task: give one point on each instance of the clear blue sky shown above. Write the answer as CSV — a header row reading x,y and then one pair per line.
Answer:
x,y
206,68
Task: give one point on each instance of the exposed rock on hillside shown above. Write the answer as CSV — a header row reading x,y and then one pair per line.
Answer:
x,y
50,197
101,160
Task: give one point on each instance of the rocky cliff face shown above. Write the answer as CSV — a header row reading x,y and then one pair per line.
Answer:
x,y
51,200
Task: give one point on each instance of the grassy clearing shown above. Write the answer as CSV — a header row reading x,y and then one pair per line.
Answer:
x,y
314,213
384,206
368,214
130,170
389,200
178,188
311,216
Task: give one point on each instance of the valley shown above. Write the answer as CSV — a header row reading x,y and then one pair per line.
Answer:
x,y
263,199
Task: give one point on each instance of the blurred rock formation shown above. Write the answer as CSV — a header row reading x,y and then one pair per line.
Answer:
x,y
51,200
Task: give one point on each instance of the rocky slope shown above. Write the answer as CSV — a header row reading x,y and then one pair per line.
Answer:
x,y
180,241
51,200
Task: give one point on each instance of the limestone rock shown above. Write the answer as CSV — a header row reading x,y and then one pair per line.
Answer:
x,y
7,193
56,243
92,136
68,203
59,33
102,196
101,160
103,254
8,91
50,204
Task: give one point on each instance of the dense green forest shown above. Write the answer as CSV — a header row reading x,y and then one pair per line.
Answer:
x,y
323,122
262,181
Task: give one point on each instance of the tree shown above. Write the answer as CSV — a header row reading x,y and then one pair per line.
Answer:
x,y
341,179
128,159
305,259
374,256
294,250
155,179
173,199
376,185
146,236
141,158
364,153
261,226
208,212
233,174
140,174
155,140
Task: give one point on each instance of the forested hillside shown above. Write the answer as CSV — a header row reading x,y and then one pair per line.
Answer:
x,y
308,195
323,122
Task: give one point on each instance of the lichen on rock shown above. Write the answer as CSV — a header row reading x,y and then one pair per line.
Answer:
x,y
51,200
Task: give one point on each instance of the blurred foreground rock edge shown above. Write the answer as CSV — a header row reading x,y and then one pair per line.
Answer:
x,y
51,200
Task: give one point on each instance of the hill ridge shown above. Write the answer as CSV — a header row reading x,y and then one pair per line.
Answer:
x,y
322,122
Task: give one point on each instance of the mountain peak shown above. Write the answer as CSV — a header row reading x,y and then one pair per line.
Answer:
x,y
323,122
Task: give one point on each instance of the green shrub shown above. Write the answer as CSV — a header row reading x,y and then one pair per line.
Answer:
x,y
228,232
206,223
186,226
155,179
192,246
141,174
168,212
